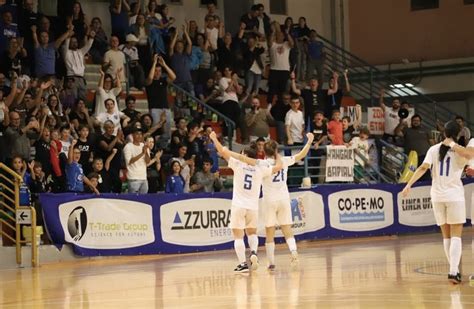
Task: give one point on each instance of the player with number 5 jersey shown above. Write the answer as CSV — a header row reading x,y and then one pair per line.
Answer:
x,y
248,176
276,202
447,194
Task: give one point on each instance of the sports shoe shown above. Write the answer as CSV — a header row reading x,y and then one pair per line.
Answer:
x,y
254,260
456,279
242,268
271,267
294,258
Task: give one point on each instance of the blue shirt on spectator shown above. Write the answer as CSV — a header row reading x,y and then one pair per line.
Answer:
x,y
181,65
45,59
212,152
174,184
7,32
315,50
74,177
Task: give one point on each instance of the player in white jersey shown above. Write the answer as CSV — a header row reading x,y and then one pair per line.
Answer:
x,y
447,194
248,176
276,201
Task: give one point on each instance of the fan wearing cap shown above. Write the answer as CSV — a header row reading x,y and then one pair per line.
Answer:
x,y
137,75
137,156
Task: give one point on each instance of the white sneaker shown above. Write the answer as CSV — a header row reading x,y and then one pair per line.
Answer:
x,y
254,260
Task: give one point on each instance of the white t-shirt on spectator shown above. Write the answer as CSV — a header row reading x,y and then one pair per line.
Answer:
x,y
101,95
446,185
116,58
132,52
137,170
295,120
391,120
280,56
224,83
114,117
65,145
363,148
212,35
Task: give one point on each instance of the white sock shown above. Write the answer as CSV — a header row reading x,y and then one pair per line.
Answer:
x,y
239,247
446,244
253,242
291,244
270,247
455,251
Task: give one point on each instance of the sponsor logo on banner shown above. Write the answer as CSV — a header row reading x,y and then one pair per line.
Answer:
x,y
196,222
360,209
307,212
376,120
416,209
107,223
339,163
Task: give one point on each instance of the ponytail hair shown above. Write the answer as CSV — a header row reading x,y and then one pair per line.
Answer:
x,y
451,130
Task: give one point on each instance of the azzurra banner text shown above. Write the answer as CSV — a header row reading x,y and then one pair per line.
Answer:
x,y
126,224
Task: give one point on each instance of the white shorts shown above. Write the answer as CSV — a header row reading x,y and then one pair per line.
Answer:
x,y
242,218
449,212
277,213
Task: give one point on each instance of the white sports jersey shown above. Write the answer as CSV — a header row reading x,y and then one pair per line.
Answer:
x,y
471,144
446,185
247,183
274,187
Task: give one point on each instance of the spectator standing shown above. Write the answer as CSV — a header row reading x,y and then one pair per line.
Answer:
x,y
229,86
347,129
253,65
137,75
74,174
465,134
141,29
18,137
361,145
106,143
263,21
278,111
153,167
130,110
258,120
137,156
114,59
391,118
119,16
313,97
279,63
302,34
335,93
8,30
15,58
106,91
415,137
111,115
101,43
294,123
74,60
180,55
335,131
157,94
211,31
79,22
205,180
316,57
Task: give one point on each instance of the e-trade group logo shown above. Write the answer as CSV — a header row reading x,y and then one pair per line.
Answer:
x,y
297,213
361,209
77,223
215,221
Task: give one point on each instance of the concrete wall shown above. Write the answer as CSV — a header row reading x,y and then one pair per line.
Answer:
x,y
385,31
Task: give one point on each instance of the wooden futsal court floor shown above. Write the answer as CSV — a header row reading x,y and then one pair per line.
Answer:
x,y
386,272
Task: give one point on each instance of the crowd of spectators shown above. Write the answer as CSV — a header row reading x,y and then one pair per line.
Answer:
x,y
59,140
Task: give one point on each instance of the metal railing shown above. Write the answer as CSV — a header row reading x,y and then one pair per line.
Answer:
x,y
393,161
366,81
9,207
207,110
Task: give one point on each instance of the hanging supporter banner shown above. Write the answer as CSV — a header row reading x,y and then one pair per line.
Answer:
x,y
339,164
130,224
307,211
376,120
353,112
416,209
360,209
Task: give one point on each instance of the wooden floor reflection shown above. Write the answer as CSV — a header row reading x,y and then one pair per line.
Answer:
x,y
398,272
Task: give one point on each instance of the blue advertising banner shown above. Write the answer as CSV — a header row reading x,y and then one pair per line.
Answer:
x,y
129,224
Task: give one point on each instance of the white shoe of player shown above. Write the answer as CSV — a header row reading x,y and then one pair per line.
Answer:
x,y
254,260
294,259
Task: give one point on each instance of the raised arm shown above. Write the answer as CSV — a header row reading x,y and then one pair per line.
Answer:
x,y
466,152
169,71
13,92
225,153
335,85
117,8
304,152
173,43
62,38
189,43
35,36
420,171
109,159
346,79
381,100
291,42
70,155
294,88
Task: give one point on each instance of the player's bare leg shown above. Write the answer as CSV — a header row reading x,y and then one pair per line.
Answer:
x,y
291,242
253,244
